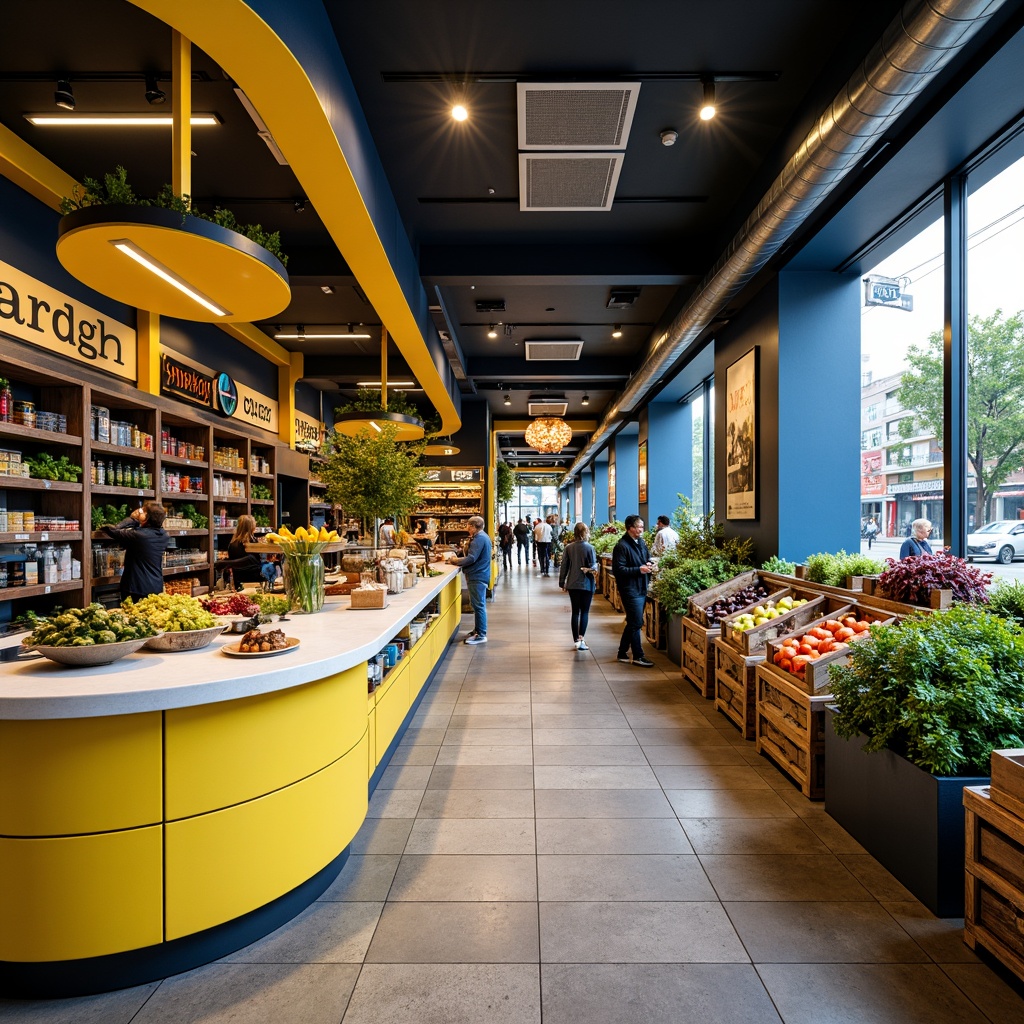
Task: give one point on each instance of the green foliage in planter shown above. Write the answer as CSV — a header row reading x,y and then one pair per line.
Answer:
x,y
779,565
701,537
913,579
684,577
832,570
114,190
506,482
368,400
943,690
189,511
1006,598
606,536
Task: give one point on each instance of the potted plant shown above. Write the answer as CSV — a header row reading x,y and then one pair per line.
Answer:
x,y
918,710
935,581
836,570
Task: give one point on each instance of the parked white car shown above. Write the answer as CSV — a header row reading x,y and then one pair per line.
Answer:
x,y
1001,541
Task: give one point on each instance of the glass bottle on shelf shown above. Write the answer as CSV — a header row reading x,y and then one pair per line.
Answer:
x,y
6,401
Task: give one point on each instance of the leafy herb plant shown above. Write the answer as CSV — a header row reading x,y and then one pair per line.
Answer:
x,y
913,579
943,690
779,565
832,570
45,467
673,586
1007,599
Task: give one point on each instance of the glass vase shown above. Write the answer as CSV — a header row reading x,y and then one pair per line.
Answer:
x,y
304,582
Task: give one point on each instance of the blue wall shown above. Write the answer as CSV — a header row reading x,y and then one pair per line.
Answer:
x,y
626,485
669,458
601,512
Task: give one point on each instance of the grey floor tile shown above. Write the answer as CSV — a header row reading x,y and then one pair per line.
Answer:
x,y
655,994
459,753
519,683
786,876
594,777
382,835
603,803
831,833
728,803
462,878
364,879
324,933
701,756
107,1008
875,878
610,835
490,933
695,736
485,736
622,877
576,719
414,753
595,753
446,994
394,803
475,721
472,835
433,735
500,776
822,932
942,938
590,701
254,993
476,803
866,994
583,737
687,776
480,699
751,835
404,776
638,933
988,991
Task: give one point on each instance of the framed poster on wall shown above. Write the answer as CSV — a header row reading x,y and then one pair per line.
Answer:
x,y
611,485
741,437
641,462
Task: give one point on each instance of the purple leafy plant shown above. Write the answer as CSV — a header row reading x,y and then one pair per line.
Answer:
x,y
914,578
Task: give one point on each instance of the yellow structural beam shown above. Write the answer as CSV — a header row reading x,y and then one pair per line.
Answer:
x,y
287,377
31,171
181,114
298,117
147,330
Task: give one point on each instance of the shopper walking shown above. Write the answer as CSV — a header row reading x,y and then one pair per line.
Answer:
x,y
631,566
506,538
870,531
476,564
542,542
576,577
144,539
522,535
666,538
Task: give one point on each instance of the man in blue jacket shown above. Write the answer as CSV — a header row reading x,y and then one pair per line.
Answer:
x,y
631,566
476,565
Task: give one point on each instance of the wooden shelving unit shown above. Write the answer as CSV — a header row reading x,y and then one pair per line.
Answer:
x,y
450,497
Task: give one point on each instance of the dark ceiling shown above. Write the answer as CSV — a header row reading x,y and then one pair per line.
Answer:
x,y
456,185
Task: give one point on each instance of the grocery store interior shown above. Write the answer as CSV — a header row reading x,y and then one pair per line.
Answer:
x,y
767,257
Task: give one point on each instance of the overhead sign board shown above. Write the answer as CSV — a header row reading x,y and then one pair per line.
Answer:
x,y
886,291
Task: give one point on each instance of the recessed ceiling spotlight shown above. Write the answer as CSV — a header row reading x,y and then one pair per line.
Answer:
x,y
507,399
586,399
154,94
459,112
669,137
299,205
327,289
617,332
707,107
492,333
64,95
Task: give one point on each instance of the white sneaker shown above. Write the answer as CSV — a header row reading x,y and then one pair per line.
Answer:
x,y
582,645
476,638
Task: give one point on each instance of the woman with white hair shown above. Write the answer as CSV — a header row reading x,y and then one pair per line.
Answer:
x,y
917,542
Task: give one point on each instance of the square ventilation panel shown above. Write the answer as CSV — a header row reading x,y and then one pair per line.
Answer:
x,y
579,182
547,407
538,351
574,115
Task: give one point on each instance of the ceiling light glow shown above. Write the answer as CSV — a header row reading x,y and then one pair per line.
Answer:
x,y
707,107
617,332
306,336
459,112
154,266
115,120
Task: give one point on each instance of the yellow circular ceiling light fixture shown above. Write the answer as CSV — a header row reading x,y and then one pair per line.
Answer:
x,y
441,448
182,267
353,424
548,434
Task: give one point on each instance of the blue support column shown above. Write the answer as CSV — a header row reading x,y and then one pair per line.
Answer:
x,y
669,457
626,501
601,493
586,512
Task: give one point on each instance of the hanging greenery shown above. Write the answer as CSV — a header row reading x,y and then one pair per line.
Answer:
x,y
368,400
371,474
506,482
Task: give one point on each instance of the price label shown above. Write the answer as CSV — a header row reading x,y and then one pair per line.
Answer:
x,y
181,533
46,485
44,536
141,493
46,589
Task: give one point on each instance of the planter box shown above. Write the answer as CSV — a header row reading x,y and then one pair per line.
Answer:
x,y
674,639
790,730
698,656
909,820
736,687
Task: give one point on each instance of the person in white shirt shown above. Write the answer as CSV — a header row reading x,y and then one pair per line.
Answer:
x,y
542,542
666,538
388,534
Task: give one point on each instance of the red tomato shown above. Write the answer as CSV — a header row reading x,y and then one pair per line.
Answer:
x,y
825,646
846,633
820,633
786,664
861,625
839,646
832,625
780,656
809,640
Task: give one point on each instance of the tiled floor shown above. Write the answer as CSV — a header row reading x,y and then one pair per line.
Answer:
x,y
564,838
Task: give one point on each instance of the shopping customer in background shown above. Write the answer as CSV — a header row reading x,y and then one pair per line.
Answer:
x,y
917,542
522,534
632,566
666,538
144,539
576,576
476,564
542,544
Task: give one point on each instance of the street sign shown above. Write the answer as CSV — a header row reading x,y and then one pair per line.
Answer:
x,y
886,291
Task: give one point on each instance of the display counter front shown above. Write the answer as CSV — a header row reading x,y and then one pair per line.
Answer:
x,y
160,812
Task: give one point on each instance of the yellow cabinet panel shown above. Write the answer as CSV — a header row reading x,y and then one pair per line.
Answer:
x,y
371,742
226,753
62,777
224,864
65,899
391,710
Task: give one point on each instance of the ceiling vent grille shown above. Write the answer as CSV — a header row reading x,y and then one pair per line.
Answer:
x,y
537,351
568,181
547,407
570,115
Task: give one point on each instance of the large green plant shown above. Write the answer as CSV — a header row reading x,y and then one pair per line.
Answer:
x,y
506,482
372,474
701,537
684,577
943,690
832,569
368,400
606,536
114,190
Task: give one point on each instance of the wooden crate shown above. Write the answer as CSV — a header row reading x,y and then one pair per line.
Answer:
x,y
698,603
613,593
790,730
736,687
656,624
698,656
1007,787
994,894
815,679
753,640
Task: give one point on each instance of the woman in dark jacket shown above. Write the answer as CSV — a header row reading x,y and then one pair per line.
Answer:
x,y
144,539
576,577
244,565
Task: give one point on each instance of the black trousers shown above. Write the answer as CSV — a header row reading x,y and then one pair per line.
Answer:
x,y
506,556
580,601
521,544
544,554
631,635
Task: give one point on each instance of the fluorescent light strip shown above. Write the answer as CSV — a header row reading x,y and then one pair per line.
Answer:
x,y
391,383
129,248
320,337
373,424
115,120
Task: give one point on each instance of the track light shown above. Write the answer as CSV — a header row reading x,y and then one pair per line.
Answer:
x,y
586,399
459,112
617,331
299,205
707,108
507,399
493,332
154,94
64,97
327,289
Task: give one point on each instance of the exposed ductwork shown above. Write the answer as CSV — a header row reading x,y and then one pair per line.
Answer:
x,y
920,41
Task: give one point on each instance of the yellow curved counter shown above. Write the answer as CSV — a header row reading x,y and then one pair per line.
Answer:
x,y
157,813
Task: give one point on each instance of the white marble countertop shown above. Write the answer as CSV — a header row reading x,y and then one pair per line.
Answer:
x,y
335,639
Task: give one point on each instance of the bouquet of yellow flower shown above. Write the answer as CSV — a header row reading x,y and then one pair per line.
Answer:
x,y
303,566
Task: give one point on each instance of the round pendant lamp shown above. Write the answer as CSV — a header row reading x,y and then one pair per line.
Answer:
x,y
548,434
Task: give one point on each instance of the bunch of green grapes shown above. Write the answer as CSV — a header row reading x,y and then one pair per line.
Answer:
x,y
86,627
174,613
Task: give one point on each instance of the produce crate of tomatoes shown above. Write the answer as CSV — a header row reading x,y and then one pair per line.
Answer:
x,y
783,612
804,656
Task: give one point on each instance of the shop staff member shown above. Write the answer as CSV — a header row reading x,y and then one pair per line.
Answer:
x,y
144,539
477,566
631,564
666,538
